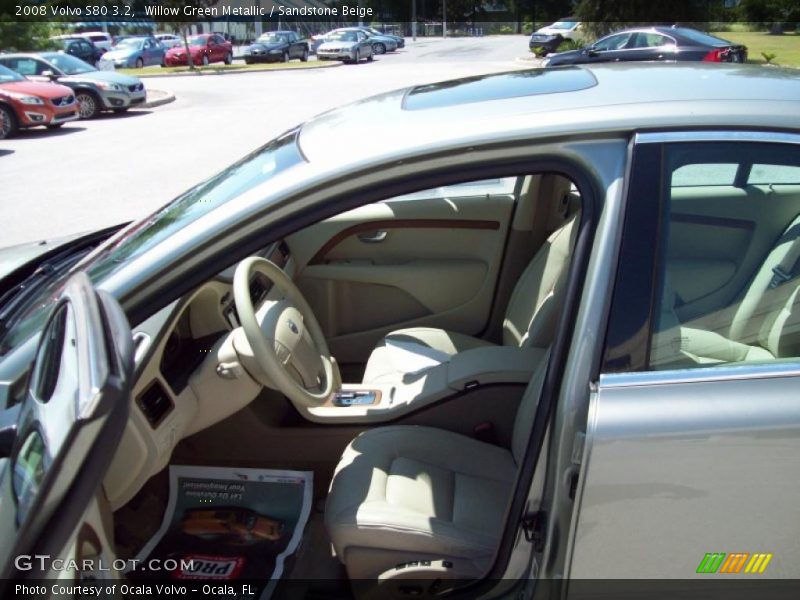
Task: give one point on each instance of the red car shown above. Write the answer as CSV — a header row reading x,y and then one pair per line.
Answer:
x,y
26,103
203,49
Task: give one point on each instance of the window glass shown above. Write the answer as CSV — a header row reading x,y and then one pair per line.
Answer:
x,y
774,175
705,174
728,270
24,66
613,42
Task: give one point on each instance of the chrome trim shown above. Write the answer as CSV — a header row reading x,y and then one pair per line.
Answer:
x,y
728,372
141,344
660,137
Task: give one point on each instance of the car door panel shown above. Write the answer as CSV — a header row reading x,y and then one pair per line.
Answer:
x,y
74,409
422,262
663,467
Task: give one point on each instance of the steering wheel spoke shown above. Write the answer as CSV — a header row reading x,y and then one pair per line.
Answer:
x,y
284,336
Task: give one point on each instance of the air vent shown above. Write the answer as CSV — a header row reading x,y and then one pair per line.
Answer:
x,y
283,248
141,343
155,404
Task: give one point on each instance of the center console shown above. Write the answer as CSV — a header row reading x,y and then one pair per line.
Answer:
x,y
468,371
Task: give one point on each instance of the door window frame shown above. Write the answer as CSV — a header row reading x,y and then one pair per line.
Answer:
x,y
636,293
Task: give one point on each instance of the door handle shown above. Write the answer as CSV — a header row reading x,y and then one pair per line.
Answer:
x,y
373,237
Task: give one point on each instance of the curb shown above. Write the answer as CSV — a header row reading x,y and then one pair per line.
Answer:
x,y
239,71
165,98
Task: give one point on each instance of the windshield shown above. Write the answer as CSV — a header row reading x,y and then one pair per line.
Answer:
x,y
69,64
702,38
277,156
343,36
271,38
563,25
198,41
130,44
7,75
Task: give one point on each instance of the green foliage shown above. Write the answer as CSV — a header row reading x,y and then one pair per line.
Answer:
x,y
768,12
23,35
769,56
604,16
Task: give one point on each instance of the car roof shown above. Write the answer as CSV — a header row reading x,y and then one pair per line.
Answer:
x,y
561,101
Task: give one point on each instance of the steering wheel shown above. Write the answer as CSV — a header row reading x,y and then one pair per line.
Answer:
x,y
284,336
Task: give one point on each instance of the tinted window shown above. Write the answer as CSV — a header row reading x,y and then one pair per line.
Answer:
x,y
498,87
705,174
702,38
728,271
613,42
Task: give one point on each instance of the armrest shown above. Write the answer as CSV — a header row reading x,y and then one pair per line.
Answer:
x,y
493,364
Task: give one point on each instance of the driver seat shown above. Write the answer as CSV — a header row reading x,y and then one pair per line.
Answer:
x,y
412,494
530,318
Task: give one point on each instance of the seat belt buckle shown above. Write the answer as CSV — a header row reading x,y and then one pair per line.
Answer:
x,y
779,277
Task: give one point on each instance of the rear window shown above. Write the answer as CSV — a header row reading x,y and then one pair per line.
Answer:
x,y
705,174
703,38
774,175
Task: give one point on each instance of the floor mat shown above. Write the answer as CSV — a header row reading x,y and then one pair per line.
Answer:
x,y
228,526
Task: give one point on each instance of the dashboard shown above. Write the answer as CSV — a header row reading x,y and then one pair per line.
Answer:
x,y
177,391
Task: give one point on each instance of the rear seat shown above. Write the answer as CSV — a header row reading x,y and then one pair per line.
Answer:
x,y
765,325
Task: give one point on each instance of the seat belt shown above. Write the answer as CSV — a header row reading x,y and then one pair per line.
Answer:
x,y
784,270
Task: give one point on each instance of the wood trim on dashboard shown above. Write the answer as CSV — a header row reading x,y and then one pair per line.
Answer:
x,y
319,257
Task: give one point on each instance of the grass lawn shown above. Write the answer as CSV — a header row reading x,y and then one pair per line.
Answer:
x,y
221,68
786,47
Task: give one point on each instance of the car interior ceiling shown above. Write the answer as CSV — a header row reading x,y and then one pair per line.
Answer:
x,y
270,433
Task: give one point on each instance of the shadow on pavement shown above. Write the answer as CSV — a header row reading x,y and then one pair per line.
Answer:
x,y
134,112
35,132
3,152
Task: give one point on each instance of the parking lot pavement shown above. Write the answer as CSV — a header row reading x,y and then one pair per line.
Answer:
x,y
116,168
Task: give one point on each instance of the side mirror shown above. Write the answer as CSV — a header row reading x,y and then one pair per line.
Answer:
x,y
49,74
590,51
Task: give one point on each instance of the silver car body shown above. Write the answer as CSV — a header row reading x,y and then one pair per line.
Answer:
x,y
345,49
645,471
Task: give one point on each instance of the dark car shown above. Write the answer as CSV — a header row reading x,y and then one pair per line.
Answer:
x,y
653,43
79,47
277,46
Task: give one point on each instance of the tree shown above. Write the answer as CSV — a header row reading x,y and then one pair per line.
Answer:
x,y
770,12
602,16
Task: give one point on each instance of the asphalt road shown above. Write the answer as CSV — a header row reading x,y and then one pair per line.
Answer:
x,y
91,174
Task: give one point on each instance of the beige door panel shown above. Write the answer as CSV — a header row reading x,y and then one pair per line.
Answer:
x,y
402,263
725,251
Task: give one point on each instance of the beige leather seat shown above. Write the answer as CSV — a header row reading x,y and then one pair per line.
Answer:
x,y
765,325
412,493
530,318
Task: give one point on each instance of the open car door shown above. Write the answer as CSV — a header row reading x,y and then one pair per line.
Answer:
x,y
56,445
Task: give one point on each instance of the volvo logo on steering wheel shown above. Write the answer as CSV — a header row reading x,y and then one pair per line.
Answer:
x,y
292,326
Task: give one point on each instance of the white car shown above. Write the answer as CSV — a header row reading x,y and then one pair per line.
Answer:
x,y
101,39
169,40
548,38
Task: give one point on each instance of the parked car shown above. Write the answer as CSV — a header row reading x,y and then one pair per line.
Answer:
x,y
136,52
400,41
347,45
235,525
204,49
169,40
381,44
95,90
547,39
79,47
583,372
101,39
25,104
317,40
653,43
277,46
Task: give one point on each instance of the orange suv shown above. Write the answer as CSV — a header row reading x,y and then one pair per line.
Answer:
x,y
25,103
